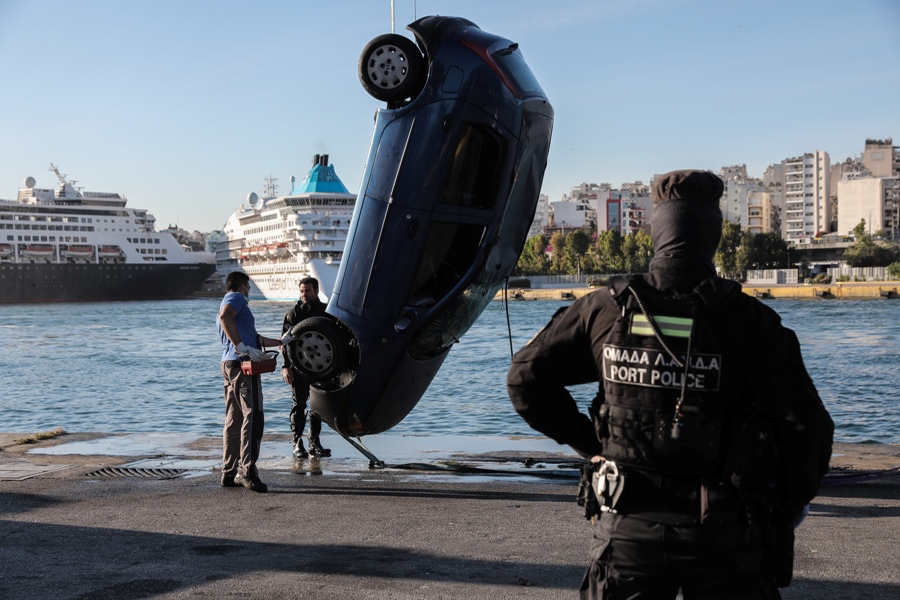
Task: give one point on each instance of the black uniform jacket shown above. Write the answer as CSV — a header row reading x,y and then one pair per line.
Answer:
x,y
298,313
568,351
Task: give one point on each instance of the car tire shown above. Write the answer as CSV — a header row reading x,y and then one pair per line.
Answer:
x,y
391,68
319,349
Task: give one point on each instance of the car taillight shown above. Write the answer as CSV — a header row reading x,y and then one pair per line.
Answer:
x,y
483,53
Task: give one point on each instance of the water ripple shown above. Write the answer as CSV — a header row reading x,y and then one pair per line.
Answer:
x,y
154,366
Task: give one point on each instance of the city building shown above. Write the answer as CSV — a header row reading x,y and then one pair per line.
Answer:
x,y
861,199
567,215
807,196
762,212
541,216
868,189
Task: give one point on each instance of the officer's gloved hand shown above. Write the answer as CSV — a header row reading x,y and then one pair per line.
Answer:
x,y
287,338
255,354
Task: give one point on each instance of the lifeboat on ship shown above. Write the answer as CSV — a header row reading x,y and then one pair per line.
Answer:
x,y
279,249
245,253
109,252
6,250
38,251
77,251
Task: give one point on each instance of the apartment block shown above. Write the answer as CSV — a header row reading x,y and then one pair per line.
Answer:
x,y
541,216
567,215
861,198
868,188
882,159
763,214
735,201
807,196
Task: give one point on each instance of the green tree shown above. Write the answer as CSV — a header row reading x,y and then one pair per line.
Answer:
x,y
533,260
893,270
608,248
637,250
577,243
589,261
726,254
866,252
558,255
761,251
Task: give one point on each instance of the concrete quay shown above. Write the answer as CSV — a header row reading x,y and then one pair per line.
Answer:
x,y
497,520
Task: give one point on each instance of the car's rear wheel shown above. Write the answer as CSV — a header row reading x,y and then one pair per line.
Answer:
x,y
391,68
319,350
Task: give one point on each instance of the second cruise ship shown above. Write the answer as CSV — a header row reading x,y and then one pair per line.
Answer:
x,y
278,240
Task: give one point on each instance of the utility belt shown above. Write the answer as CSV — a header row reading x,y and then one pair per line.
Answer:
x,y
607,486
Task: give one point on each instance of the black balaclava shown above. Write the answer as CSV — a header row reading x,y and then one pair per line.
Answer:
x,y
686,226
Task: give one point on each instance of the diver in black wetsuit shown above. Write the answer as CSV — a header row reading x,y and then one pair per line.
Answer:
x,y
308,306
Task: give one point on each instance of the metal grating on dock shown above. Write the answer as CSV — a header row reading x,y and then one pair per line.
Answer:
x,y
155,473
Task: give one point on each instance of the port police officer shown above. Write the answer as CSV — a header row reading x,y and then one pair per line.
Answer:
x,y
308,306
707,436
244,419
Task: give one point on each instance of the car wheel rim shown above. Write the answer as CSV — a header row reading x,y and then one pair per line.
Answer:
x,y
315,351
388,67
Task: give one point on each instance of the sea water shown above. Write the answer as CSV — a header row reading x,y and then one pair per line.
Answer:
x,y
120,367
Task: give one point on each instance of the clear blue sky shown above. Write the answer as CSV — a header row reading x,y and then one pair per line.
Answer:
x,y
184,106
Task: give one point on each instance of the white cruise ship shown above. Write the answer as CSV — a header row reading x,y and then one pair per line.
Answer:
x,y
278,240
66,245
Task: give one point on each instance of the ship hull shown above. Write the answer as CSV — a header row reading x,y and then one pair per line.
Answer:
x,y
284,283
47,282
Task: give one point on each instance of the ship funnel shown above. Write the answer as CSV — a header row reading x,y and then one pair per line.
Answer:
x,y
324,160
315,160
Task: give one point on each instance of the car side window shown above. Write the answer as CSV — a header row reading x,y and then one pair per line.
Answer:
x,y
448,254
472,177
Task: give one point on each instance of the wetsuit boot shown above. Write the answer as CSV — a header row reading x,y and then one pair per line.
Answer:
x,y
315,428
298,422
299,450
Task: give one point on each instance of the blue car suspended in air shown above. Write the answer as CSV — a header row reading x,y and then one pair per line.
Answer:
x,y
445,204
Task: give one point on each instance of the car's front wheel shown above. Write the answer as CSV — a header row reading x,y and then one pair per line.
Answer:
x,y
391,68
319,350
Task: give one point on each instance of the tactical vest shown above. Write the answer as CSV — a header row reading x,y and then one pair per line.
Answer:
x,y
666,395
